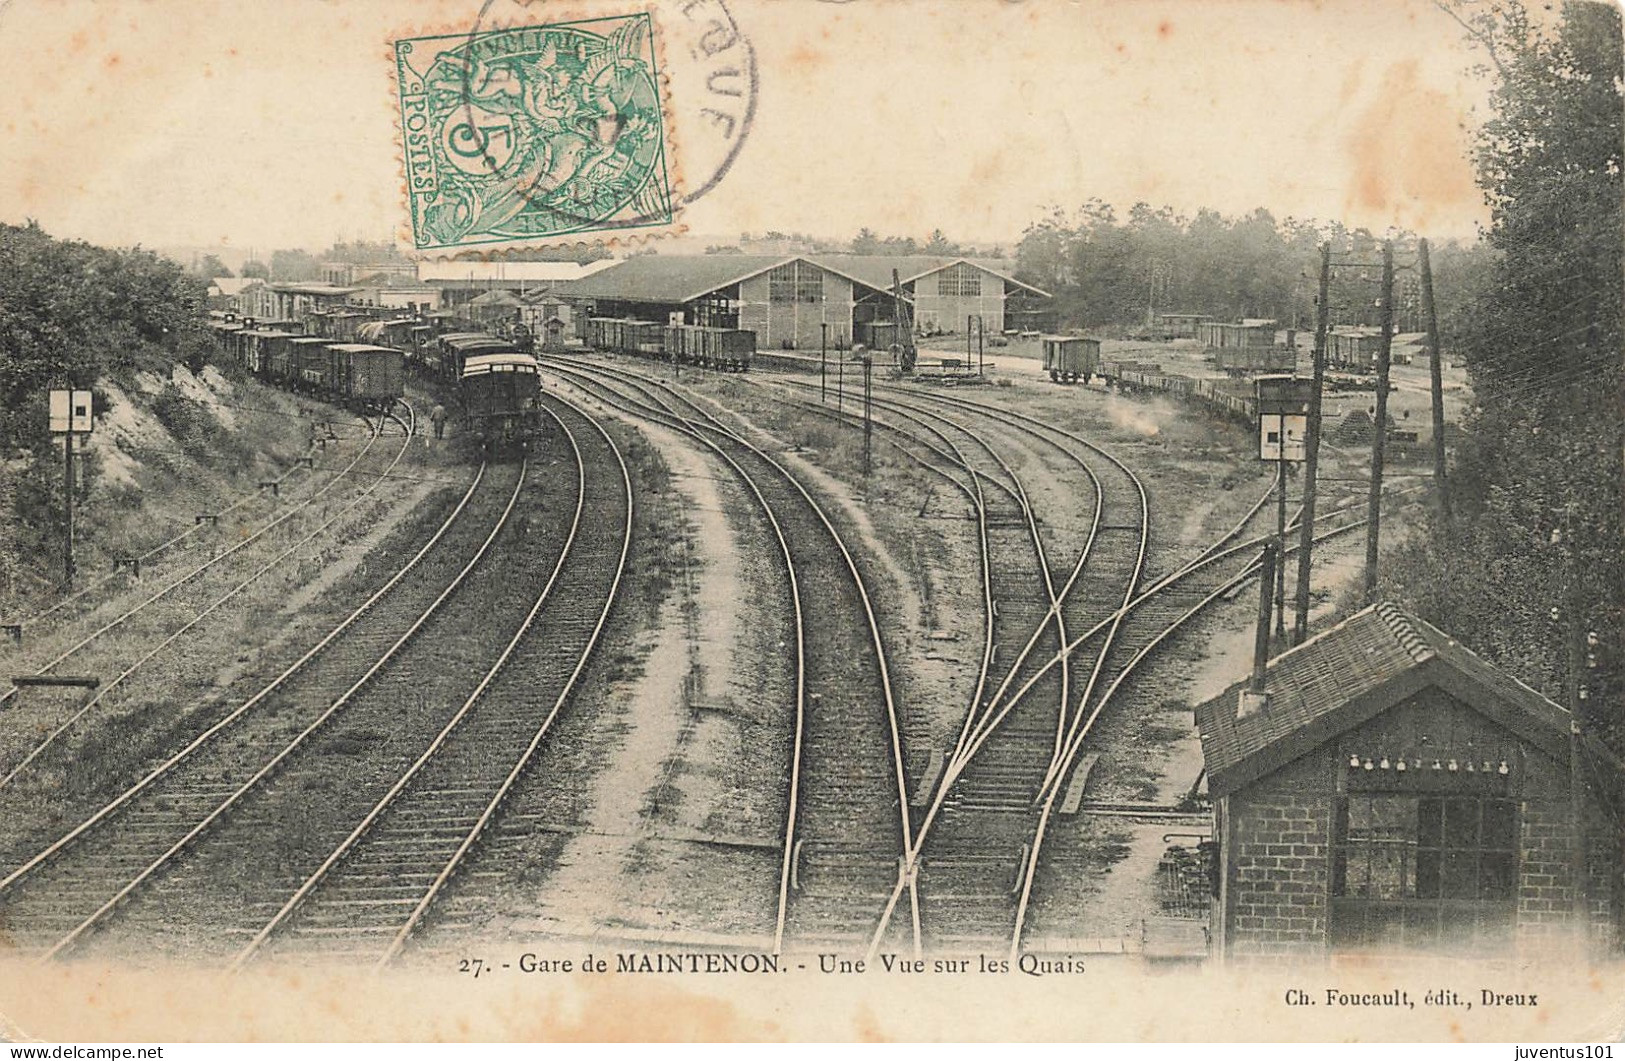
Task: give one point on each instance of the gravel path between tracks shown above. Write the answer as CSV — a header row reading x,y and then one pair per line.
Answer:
x,y
689,725
656,807
916,532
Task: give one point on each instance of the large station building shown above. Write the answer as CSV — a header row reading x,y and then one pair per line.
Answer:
x,y
797,302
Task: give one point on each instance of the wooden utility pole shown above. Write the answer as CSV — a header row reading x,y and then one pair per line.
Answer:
x,y
903,324
1279,587
1430,321
868,393
67,508
840,384
1379,428
823,362
1300,629
1261,633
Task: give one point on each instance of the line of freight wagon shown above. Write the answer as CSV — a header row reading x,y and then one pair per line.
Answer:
x,y
1234,398
497,378
359,376
729,349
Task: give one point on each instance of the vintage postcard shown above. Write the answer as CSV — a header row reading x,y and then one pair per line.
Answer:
x,y
798,520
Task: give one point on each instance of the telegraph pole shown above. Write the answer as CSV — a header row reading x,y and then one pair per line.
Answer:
x,y
1279,567
868,367
1379,436
1430,319
1306,538
67,508
70,413
823,362
1268,562
981,345
840,385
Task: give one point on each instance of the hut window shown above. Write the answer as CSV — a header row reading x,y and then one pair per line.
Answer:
x,y
1422,871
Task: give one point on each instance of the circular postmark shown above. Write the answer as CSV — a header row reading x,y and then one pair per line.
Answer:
x,y
553,127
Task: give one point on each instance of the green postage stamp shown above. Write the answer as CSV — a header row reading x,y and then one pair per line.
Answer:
x,y
533,135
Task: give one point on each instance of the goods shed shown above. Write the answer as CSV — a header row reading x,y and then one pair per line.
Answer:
x,y
791,302
1392,792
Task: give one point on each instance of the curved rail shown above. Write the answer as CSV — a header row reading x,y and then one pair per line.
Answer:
x,y
456,723
161,547
164,768
193,574
976,738
1029,869
705,422
103,691
276,761
530,751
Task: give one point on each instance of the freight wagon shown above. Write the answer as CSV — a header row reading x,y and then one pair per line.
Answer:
x,y
365,377
1246,361
259,349
307,366
1353,349
725,348
225,332
1248,347
1233,398
1068,359
625,336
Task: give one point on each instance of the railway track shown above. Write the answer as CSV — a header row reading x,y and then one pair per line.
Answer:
x,y
182,603
377,885
978,816
847,825
1125,639
75,885
1151,622
136,561
978,824
1003,900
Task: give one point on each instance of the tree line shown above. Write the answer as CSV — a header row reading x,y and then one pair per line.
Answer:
x,y
1108,271
1530,569
71,316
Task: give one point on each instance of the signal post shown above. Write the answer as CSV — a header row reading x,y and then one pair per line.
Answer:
x,y
1283,426
70,412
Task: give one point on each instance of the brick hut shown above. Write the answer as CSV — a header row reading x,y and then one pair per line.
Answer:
x,y
1394,792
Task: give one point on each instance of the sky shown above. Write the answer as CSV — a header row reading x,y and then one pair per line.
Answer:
x,y
253,125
